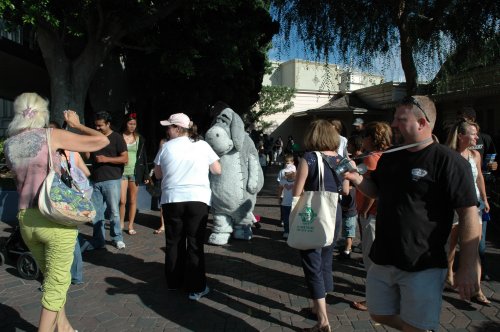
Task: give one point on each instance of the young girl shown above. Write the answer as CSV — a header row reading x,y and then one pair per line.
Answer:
x,y
134,173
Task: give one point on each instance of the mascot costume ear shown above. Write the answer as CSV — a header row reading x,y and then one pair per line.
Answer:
x,y
235,125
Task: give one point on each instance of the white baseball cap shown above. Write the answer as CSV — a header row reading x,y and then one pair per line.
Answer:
x,y
290,168
177,119
358,122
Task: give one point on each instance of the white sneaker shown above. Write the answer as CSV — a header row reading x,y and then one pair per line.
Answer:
x,y
197,296
120,245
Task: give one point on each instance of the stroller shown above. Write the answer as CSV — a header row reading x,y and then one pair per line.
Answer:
x,y
14,246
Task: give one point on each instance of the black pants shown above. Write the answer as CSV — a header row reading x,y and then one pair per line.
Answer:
x,y
185,226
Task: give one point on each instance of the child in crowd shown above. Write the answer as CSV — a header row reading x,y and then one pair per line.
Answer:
x,y
349,220
285,194
263,160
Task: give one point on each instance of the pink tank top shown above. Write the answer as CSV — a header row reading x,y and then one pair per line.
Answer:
x,y
26,155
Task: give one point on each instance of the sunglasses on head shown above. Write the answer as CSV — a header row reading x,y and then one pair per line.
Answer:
x,y
409,100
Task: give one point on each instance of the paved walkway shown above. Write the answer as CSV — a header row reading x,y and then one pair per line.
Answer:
x,y
256,286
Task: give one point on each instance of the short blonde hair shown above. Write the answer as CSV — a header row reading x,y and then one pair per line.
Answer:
x,y
321,136
30,111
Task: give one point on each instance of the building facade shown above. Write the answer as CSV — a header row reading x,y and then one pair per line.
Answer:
x,y
315,84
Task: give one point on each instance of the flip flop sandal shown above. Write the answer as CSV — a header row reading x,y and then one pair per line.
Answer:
x,y
481,299
360,306
132,232
159,231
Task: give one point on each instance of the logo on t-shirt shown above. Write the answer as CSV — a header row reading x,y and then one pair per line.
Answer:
x,y
418,173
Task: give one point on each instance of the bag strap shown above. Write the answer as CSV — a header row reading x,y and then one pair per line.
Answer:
x,y
321,172
68,163
332,168
47,130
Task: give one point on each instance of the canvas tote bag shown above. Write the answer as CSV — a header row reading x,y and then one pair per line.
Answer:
x,y
312,220
62,204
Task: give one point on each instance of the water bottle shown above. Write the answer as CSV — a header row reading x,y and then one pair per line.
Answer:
x,y
486,216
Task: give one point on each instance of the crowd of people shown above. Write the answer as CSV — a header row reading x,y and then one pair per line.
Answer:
x,y
407,193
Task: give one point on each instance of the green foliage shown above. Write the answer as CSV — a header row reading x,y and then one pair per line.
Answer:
x,y
207,51
361,31
272,100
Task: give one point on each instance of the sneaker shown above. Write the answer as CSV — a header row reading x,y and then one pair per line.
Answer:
x,y
285,235
86,246
120,245
197,296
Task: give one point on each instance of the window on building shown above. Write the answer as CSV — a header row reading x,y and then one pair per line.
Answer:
x,y
11,33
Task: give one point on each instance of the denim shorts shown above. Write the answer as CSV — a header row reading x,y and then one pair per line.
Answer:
x,y
349,226
415,296
129,178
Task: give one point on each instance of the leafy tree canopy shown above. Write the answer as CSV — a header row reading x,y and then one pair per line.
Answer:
x,y
360,31
205,52
272,100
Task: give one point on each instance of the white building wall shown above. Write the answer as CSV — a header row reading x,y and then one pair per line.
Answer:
x,y
315,83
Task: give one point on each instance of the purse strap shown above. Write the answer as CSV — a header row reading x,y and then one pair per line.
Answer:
x,y
47,130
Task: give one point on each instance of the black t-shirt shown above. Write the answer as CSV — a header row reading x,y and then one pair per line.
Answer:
x,y
417,193
107,171
348,204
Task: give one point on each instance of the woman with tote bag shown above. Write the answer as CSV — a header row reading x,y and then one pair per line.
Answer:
x,y
321,137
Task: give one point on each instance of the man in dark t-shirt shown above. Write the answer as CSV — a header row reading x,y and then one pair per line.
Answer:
x,y
418,188
107,170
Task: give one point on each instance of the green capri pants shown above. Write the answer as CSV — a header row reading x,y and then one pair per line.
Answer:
x,y
52,245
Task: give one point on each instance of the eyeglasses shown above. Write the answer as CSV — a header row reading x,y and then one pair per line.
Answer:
x,y
409,100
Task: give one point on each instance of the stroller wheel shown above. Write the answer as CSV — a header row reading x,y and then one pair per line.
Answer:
x,y
27,267
2,258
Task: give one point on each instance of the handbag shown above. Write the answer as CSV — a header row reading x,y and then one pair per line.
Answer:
x,y
312,220
60,203
153,187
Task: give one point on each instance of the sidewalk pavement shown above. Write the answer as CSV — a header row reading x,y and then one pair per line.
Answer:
x,y
255,286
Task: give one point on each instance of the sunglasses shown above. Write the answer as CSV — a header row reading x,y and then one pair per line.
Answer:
x,y
409,100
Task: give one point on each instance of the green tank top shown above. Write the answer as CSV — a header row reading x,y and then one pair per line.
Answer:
x,y
132,157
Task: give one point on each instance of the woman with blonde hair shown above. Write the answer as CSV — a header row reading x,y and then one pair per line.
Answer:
x,y
322,137
27,155
463,136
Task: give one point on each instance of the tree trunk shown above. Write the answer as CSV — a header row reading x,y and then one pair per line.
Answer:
x,y
406,44
407,60
69,79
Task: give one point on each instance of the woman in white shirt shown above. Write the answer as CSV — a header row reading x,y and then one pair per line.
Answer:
x,y
183,165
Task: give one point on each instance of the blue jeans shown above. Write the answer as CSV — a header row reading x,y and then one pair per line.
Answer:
x,y
482,246
77,266
106,194
285,217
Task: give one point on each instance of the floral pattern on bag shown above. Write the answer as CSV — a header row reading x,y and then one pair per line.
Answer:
x,y
74,204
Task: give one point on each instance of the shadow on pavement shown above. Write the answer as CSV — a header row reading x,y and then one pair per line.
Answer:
x,y
11,321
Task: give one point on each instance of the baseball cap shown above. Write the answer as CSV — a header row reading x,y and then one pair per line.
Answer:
x,y
358,122
290,168
177,119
